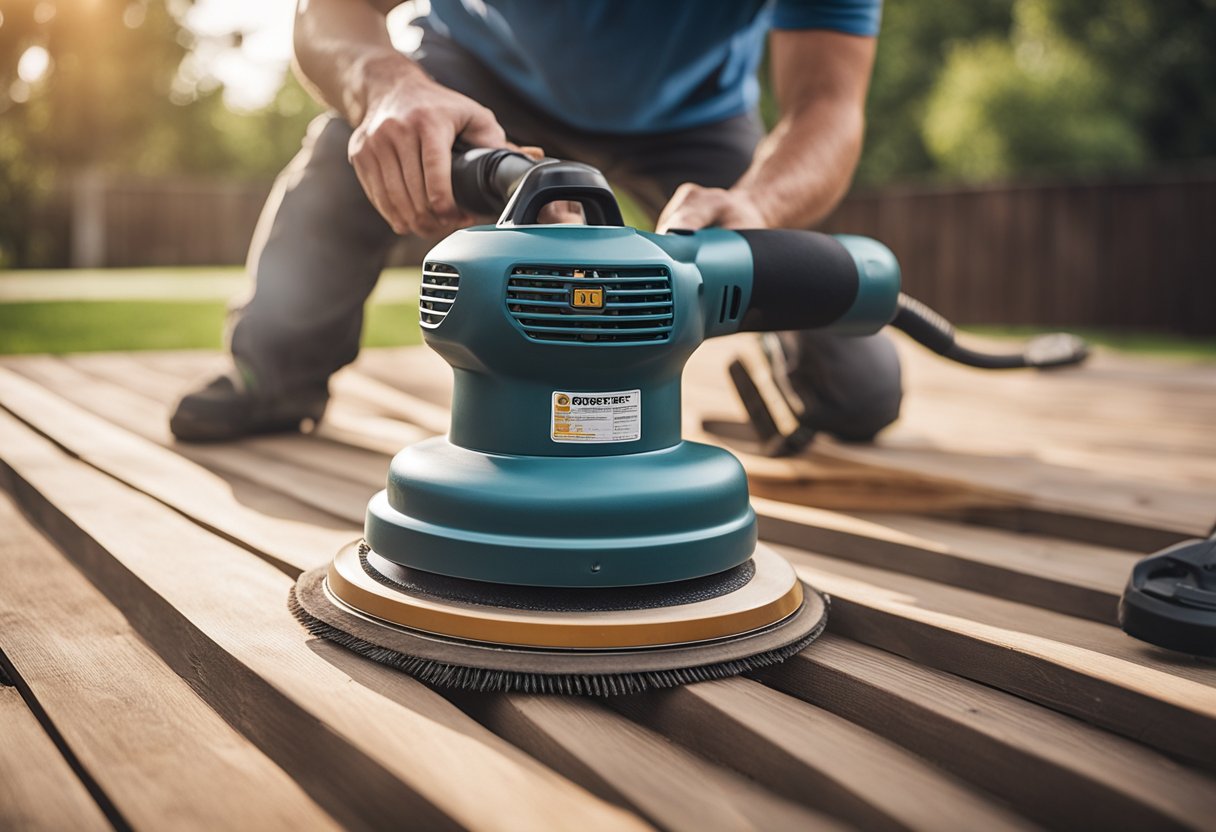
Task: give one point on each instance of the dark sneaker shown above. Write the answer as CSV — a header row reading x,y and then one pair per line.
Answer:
x,y
846,387
227,407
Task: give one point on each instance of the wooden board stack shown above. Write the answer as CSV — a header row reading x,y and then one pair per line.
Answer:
x,y
152,677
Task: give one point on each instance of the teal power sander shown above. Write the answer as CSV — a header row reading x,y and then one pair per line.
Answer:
x,y
563,537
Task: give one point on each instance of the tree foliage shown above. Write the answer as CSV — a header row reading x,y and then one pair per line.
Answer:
x,y
111,96
1035,87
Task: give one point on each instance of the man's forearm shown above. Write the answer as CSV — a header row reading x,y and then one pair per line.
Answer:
x,y
804,166
344,54
403,124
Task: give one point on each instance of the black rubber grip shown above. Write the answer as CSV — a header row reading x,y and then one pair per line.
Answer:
x,y
800,280
484,179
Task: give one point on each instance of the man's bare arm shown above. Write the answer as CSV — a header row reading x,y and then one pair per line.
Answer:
x,y
804,167
405,123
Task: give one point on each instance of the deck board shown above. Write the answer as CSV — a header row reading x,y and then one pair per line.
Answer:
x,y
370,753
31,768
972,675
123,713
1027,754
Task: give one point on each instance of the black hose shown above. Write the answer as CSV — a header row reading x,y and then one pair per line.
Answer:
x,y
931,330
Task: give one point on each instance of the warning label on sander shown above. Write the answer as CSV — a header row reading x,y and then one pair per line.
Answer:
x,y
597,417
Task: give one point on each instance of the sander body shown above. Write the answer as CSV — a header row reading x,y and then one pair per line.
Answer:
x,y
563,537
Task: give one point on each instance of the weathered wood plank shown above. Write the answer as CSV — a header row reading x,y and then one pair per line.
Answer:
x,y
815,757
1084,418
1057,770
341,498
1071,578
629,764
285,535
1075,666
617,756
351,384
1100,508
352,418
370,745
360,430
38,789
135,726
416,371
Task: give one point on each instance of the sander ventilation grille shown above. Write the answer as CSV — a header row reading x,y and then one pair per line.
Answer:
x,y
437,293
635,304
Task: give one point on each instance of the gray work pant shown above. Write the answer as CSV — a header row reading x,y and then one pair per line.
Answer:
x,y
320,246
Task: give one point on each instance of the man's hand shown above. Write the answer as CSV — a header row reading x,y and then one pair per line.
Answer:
x,y
402,151
803,167
693,207
405,123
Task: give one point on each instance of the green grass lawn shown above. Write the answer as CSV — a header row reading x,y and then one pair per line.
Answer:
x,y
84,326
163,308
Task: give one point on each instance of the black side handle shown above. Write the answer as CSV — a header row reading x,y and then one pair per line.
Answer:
x,y
800,280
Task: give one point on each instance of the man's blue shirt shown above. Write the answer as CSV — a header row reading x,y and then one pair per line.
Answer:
x,y
636,66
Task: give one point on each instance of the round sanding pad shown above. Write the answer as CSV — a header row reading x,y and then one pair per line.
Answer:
x,y
767,618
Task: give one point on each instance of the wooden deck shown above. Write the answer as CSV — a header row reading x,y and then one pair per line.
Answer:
x,y
971,677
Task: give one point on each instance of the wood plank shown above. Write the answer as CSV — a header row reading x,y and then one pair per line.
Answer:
x,y
620,768
345,461
628,764
1071,578
628,748
1059,771
135,726
283,535
1078,667
1102,508
416,371
31,769
369,744
341,498
351,385
812,756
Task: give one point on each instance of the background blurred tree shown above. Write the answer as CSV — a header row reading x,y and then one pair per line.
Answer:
x,y
108,84
912,49
1030,87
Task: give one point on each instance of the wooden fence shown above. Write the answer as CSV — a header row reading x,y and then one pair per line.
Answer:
x,y
124,222
1122,254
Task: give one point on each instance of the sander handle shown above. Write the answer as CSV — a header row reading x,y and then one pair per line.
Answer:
x,y
506,182
483,178
810,280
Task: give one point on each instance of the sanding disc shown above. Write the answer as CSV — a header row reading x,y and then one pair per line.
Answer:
x,y
769,613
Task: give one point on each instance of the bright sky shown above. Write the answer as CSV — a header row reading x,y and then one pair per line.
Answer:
x,y
252,73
